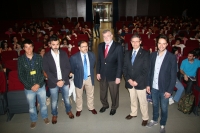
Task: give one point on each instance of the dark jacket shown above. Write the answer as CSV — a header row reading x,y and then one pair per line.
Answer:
x,y
77,68
167,75
111,66
138,71
49,67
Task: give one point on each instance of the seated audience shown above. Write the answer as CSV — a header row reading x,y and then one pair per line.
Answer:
x,y
188,69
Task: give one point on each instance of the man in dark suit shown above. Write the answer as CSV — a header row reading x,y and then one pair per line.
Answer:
x,y
82,66
57,67
109,70
135,71
161,81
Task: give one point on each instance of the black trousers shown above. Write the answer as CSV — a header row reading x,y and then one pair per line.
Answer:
x,y
114,93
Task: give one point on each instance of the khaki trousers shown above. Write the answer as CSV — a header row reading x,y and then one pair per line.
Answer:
x,y
87,85
140,95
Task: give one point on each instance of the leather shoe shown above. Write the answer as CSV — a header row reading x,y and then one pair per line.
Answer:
x,y
71,116
94,111
128,117
103,109
112,111
78,113
144,122
54,119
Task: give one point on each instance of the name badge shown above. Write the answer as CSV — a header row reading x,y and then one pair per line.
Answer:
x,y
33,72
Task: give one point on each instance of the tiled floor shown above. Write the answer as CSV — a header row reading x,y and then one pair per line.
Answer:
x,y
102,122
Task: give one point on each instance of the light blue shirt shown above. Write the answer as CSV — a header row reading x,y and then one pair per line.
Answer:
x,y
158,63
88,62
190,69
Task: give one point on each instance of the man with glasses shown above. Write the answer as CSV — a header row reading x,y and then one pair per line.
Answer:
x,y
135,71
109,70
82,66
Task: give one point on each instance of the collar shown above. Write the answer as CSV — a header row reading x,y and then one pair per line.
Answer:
x,y
135,50
53,53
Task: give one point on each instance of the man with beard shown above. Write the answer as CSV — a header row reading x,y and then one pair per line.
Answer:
x,y
57,67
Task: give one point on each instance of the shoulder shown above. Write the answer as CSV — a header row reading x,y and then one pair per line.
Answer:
x,y
90,53
75,55
21,57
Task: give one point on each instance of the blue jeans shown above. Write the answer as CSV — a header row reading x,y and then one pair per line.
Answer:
x,y
96,29
54,99
159,100
179,91
31,98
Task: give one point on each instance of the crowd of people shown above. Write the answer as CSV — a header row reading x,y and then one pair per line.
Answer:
x,y
144,72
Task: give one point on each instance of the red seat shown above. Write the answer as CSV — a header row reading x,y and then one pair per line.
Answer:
x,y
37,46
2,82
82,37
80,19
186,50
11,65
129,18
13,82
74,19
192,43
127,41
122,18
74,50
150,42
22,52
8,55
66,50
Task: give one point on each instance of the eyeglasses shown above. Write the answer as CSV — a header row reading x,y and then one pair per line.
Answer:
x,y
135,41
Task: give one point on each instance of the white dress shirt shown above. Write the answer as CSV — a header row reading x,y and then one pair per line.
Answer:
x,y
56,58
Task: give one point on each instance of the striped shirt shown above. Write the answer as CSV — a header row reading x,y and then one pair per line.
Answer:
x,y
25,66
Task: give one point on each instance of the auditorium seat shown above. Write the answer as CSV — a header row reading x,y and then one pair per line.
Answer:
x,y
17,102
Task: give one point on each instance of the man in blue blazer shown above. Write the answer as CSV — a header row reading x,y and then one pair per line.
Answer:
x,y
82,66
109,70
161,81
57,67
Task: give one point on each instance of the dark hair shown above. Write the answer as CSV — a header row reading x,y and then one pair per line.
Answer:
x,y
53,38
27,41
161,37
191,52
3,44
174,49
178,39
40,49
80,42
136,36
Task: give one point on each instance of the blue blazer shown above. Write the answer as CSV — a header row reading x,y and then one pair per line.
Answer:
x,y
77,68
167,75
49,67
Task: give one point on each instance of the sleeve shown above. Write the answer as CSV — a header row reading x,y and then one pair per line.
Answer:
x,y
22,73
145,68
71,60
68,66
41,78
98,60
125,68
173,75
120,62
